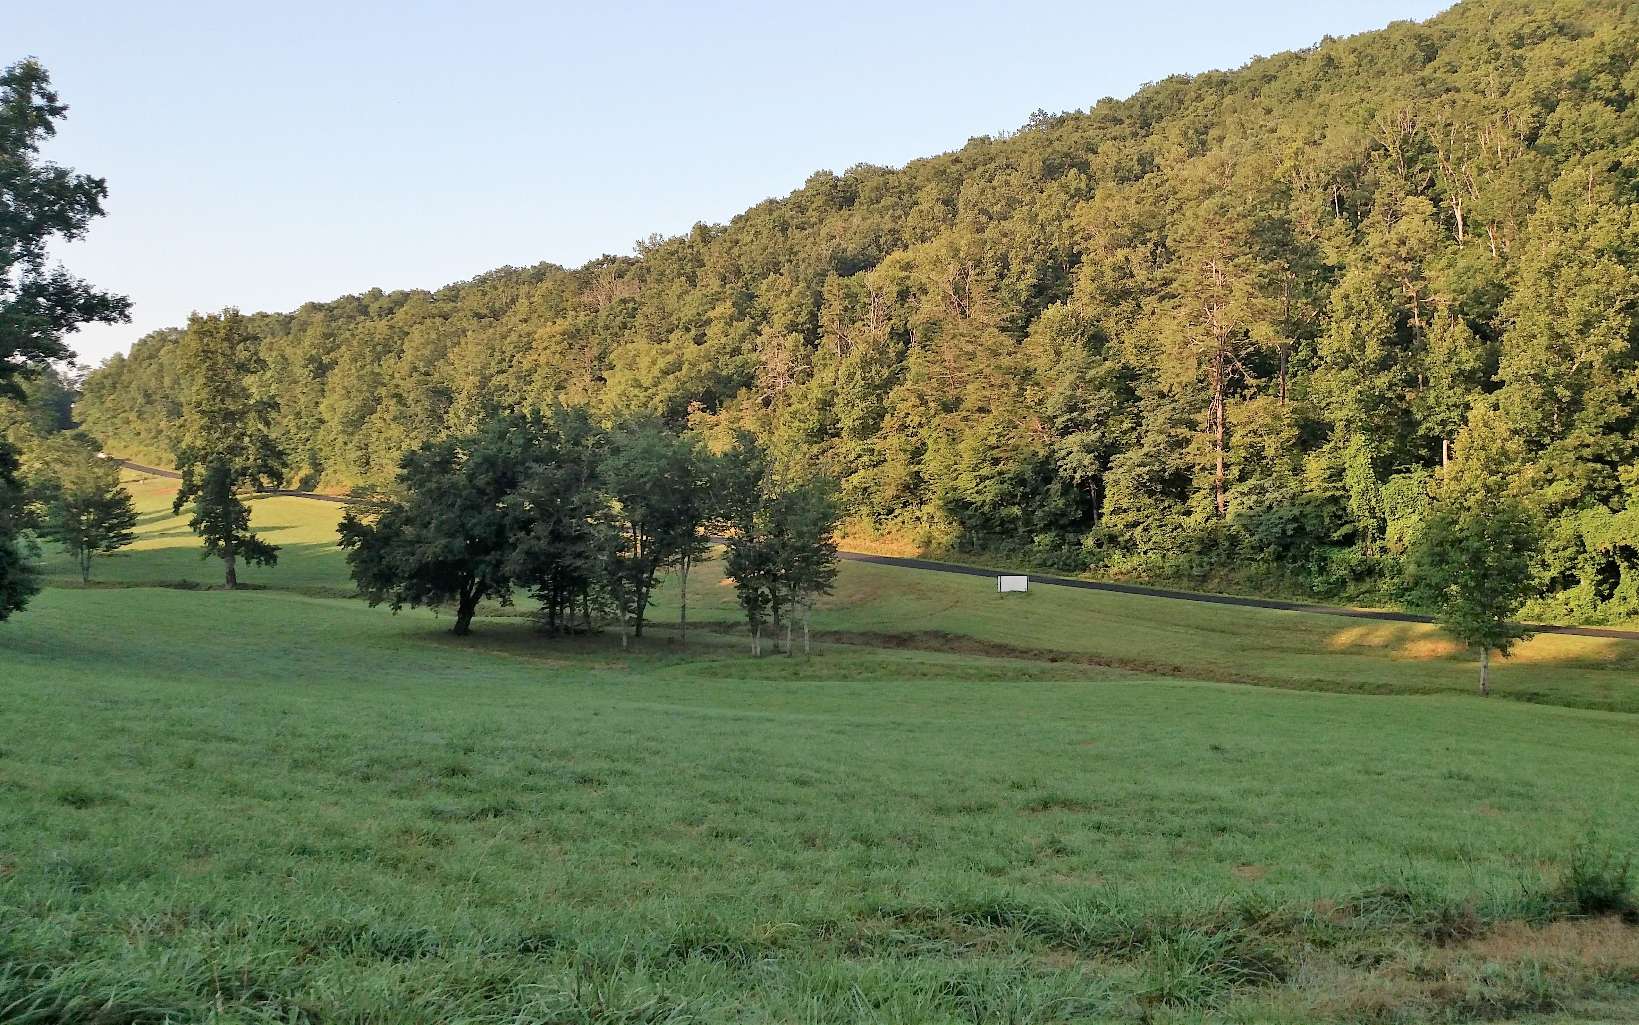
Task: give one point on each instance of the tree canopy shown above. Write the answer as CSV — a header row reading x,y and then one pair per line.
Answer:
x,y
224,441
1229,326
79,499
41,204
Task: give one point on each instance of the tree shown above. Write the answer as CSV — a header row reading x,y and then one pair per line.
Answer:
x,y
1472,561
226,440
565,529
448,532
782,552
42,204
749,559
804,516
82,504
1474,571
654,478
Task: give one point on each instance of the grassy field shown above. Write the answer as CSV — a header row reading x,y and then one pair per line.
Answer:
x,y
280,805
884,606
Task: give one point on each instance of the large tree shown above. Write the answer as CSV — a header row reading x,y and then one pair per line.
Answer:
x,y
564,529
448,531
781,546
227,442
653,476
40,204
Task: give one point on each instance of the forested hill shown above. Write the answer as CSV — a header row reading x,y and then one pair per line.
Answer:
x,y
1237,320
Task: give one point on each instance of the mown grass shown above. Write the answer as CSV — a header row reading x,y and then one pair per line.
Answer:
x,y
302,809
885,606
278,806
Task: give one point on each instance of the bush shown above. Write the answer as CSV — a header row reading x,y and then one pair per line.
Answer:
x,y
1597,881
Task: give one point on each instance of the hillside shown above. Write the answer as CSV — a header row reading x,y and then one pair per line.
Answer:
x,y
1231,325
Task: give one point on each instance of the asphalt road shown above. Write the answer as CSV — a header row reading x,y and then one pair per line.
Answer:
x,y
1085,585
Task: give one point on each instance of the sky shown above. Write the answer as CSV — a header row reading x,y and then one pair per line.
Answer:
x,y
264,156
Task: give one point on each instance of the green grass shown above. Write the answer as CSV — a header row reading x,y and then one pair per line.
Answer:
x,y
884,606
275,806
167,552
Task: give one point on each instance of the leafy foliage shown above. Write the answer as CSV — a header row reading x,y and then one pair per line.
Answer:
x,y
448,534
1472,561
82,504
781,548
225,440
1237,313
42,203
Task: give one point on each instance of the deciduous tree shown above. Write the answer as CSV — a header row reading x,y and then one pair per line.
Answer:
x,y
448,530
1472,561
40,204
227,442
82,504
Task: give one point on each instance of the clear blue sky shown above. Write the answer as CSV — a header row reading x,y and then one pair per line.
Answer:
x,y
261,156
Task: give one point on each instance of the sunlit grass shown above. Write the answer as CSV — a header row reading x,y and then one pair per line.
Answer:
x,y
295,807
888,605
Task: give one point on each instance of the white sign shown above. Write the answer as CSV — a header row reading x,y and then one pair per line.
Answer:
x,y
1005,584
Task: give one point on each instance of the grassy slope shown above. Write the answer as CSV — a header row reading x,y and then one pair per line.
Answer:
x,y
293,807
342,813
921,609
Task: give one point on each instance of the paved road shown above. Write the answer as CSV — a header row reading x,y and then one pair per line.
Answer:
x,y
1214,599
1089,585
173,475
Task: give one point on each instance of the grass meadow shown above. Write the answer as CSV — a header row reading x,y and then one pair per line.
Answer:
x,y
280,805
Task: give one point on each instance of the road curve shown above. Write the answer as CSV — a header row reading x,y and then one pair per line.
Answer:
x,y
1085,585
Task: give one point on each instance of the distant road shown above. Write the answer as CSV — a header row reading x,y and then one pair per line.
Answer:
x,y
1215,599
173,475
1085,585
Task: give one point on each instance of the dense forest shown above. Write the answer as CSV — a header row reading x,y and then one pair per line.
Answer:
x,y
1227,330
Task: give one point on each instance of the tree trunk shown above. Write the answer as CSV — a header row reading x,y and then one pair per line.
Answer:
x,y
1485,667
1218,451
85,566
806,611
756,639
788,637
465,606
683,602
1445,452
230,560
1220,395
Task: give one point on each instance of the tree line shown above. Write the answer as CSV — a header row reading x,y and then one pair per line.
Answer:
x,y
1225,331
586,519
582,515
